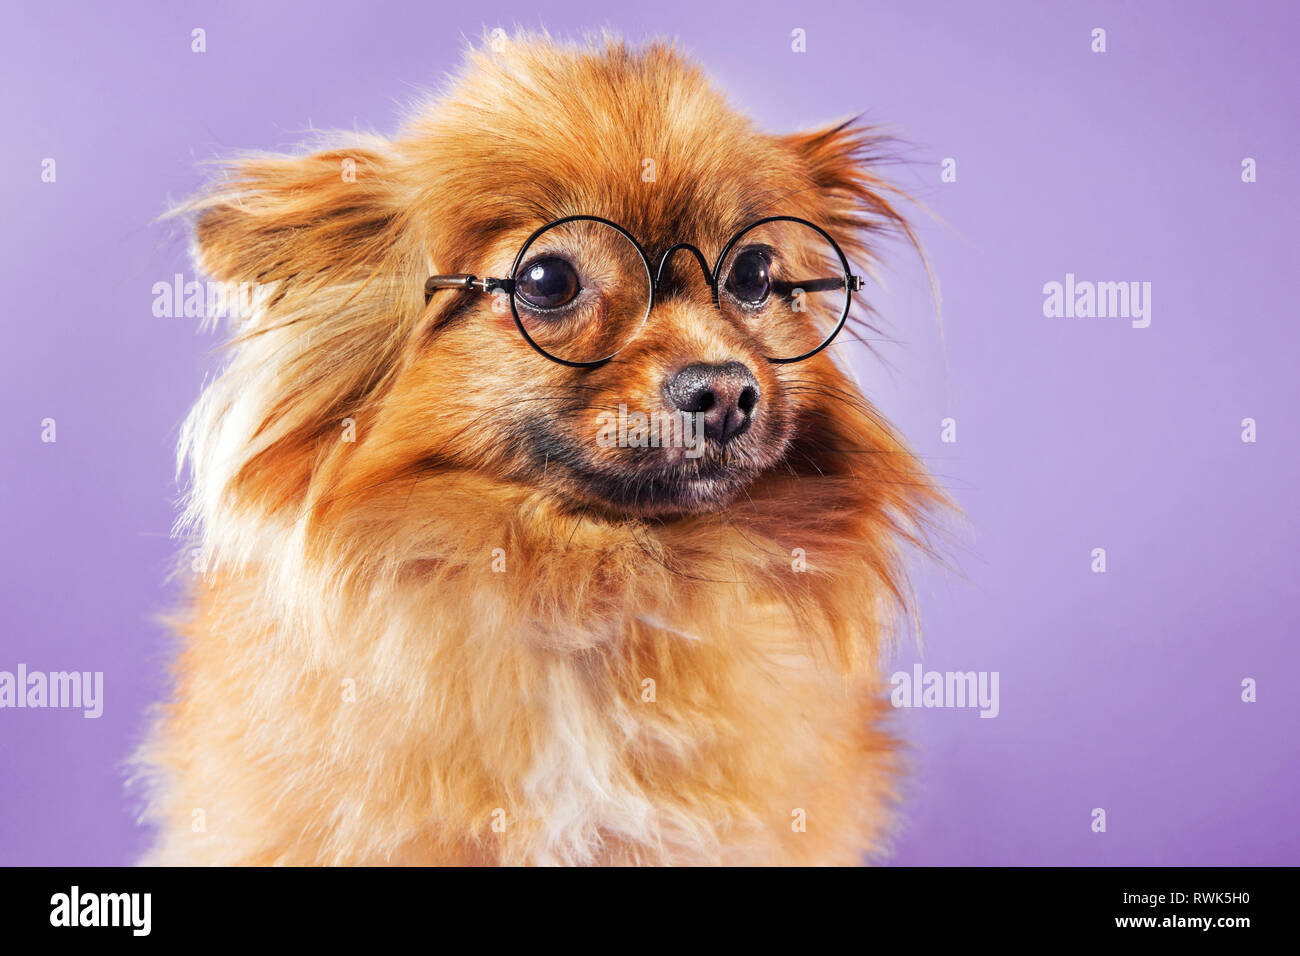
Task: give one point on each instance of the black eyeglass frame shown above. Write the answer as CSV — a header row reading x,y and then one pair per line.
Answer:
x,y
470,282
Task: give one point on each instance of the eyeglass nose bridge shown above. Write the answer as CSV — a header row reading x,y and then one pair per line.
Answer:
x,y
709,278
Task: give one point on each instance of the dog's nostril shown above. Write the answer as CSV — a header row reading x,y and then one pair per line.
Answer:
x,y
725,396
704,401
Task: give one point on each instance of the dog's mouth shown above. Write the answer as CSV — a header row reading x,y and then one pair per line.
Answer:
x,y
676,489
648,481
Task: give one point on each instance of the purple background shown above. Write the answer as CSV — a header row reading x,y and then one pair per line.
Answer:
x,y
1119,690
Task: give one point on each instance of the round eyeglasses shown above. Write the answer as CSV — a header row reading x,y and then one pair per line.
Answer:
x,y
581,287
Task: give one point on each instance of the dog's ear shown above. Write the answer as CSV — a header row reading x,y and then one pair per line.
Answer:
x,y
298,218
337,277
840,163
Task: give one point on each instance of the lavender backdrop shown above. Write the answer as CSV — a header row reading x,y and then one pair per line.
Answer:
x,y
1119,690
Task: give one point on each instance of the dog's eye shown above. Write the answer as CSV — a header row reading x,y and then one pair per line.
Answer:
x,y
548,283
750,278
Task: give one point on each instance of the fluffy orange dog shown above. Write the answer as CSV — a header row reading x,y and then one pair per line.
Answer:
x,y
458,608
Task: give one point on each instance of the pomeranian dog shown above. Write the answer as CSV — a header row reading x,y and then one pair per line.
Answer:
x,y
538,522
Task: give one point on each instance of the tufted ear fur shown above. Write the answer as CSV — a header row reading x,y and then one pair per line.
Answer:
x,y
336,275
858,205
298,219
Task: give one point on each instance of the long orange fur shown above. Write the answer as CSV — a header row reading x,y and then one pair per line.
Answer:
x,y
426,647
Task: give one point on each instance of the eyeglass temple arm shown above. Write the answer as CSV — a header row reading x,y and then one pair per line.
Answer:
x,y
465,282
853,282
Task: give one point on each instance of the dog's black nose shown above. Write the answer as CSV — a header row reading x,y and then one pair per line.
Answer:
x,y
725,395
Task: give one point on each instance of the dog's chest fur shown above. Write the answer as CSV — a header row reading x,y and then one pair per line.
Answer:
x,y
422,739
